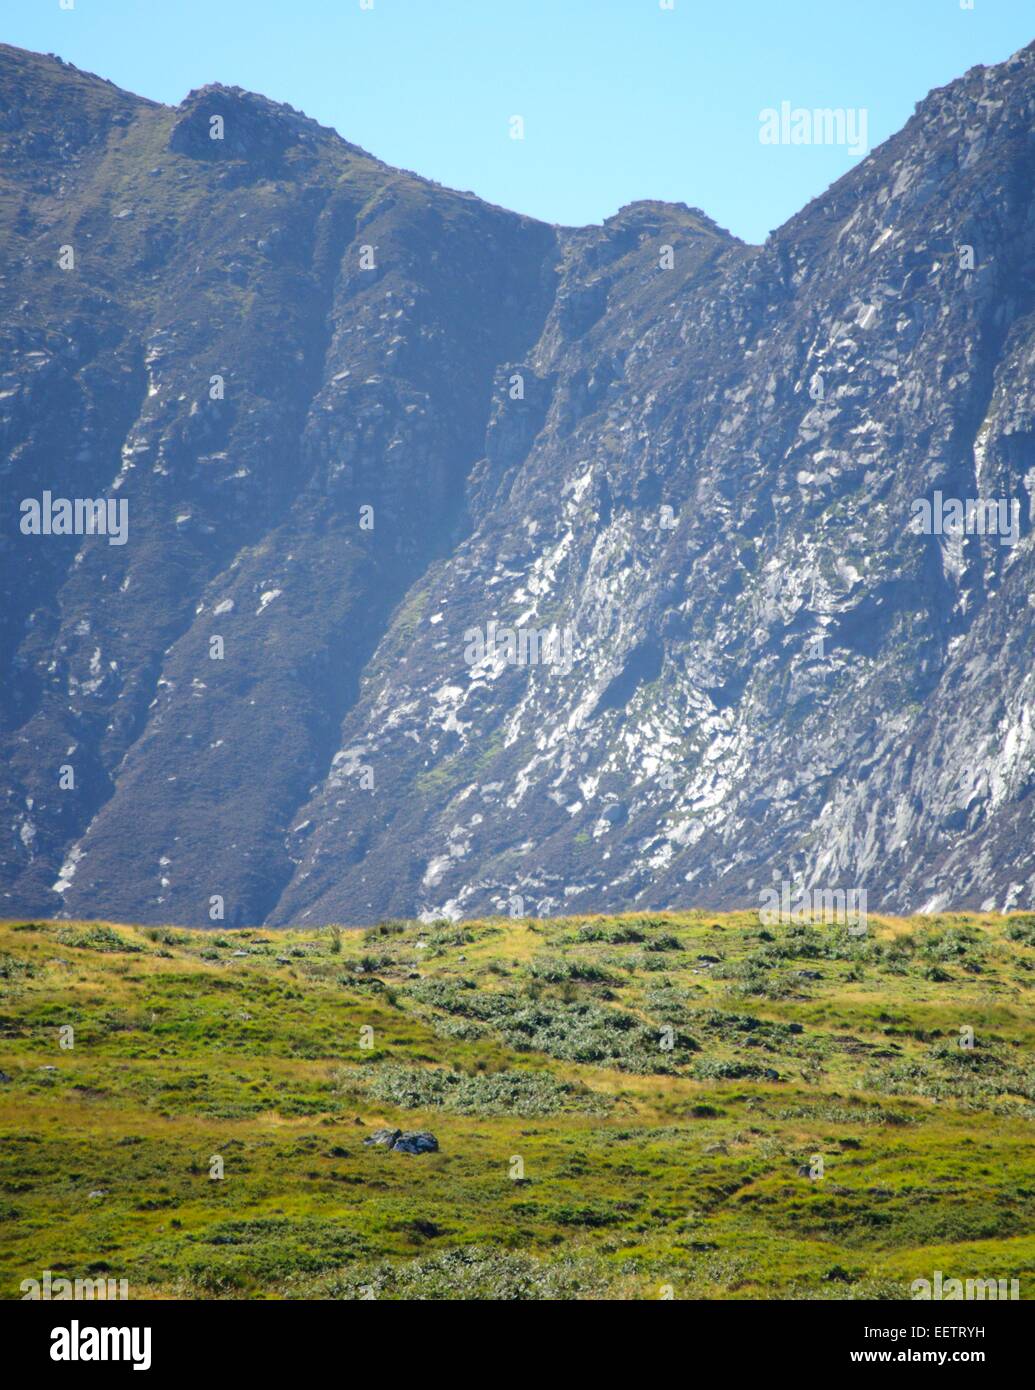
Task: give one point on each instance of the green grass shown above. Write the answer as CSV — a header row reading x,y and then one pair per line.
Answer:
x,y
615,1115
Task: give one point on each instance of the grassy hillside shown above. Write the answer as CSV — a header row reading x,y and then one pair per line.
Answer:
x,y
665,1081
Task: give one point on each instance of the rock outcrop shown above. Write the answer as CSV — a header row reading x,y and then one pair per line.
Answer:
x,y
418,1141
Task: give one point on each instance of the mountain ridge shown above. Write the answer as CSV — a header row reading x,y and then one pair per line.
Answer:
x,y
644,388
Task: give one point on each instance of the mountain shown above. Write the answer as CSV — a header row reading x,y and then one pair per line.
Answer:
x,y
357,419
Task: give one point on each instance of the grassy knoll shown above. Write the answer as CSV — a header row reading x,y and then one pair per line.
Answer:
x,y
623,1106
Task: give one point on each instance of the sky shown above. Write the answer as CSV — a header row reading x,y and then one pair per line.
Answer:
x,y
620,99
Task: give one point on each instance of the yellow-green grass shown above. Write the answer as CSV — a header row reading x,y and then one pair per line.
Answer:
x,y
577,1158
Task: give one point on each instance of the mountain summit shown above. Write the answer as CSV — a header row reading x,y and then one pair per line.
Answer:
x,y
474,564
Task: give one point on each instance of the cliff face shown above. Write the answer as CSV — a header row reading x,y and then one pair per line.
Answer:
x,y
358,420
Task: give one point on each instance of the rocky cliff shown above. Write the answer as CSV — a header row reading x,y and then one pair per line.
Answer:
x,y
474,564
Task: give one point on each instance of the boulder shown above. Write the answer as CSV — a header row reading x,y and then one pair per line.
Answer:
x,y
404,1141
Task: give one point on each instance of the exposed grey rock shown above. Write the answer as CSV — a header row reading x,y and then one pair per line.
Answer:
x,y
385,1137
403,1141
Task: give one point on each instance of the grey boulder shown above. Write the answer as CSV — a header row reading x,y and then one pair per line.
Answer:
x,y
404,1141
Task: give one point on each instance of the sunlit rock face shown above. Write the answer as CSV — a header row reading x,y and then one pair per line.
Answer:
x,y
478,565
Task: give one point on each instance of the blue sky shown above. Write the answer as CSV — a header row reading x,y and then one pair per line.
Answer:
x,y
621,99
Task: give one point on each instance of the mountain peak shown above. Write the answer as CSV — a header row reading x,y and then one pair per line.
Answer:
x,y
652,213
